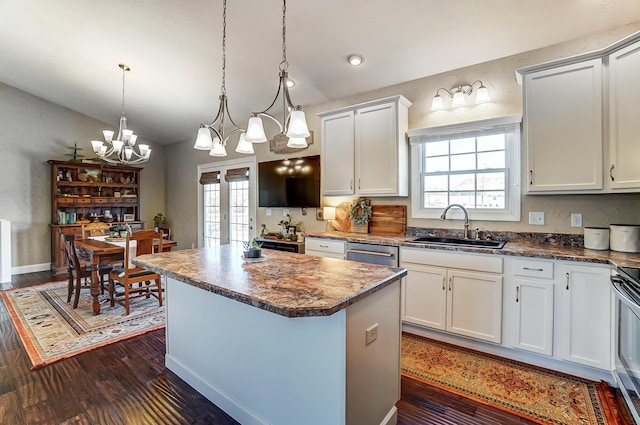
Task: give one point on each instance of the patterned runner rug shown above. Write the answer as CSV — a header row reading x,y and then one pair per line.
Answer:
x,y
540,395
52,330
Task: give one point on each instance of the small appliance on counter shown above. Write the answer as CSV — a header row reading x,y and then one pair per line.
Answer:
x,y
625,237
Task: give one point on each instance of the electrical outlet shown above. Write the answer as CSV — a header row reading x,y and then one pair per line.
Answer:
x,y
285,211
576,220
536,218
371,334
268,212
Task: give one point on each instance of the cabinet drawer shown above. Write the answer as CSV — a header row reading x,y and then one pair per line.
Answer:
x,y
130,200
116,201
84,201
101,201
533,268
66,200
324,245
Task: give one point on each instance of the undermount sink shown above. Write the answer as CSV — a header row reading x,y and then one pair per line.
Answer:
x,y
457,242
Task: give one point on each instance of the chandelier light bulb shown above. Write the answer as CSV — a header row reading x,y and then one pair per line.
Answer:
x,y
203,140
255,131
244,146
297,125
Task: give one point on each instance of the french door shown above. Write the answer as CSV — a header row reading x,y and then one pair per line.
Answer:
x,y
226,202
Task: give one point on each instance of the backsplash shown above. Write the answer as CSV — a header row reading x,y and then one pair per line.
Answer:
x,y
557,239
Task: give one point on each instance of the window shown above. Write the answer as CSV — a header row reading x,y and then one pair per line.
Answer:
x,y
475,164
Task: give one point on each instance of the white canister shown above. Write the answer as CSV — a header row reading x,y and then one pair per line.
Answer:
x,y
596,238
625,237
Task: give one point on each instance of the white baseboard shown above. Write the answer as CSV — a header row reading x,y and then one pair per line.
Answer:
x,y
31,268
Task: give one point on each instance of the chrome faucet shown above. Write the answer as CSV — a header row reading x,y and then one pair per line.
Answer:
x,y
443,216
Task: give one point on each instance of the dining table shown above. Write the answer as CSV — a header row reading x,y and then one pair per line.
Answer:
x,y
102,250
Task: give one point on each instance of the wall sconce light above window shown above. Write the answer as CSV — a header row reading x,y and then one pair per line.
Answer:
x,y
459,94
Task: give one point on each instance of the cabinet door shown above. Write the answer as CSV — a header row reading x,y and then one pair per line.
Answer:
x,y
424,296
563,128
586,315
624,141
474,305
377,150
338,154
532,323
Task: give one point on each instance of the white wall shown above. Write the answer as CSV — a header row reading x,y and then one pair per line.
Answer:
x,y
32,131
499,76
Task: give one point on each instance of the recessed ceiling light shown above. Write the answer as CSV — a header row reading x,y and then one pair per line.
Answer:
x,y
355,59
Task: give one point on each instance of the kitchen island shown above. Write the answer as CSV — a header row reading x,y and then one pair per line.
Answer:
x,y
291,339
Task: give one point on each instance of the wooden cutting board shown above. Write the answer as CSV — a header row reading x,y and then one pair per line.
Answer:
x,y
389,220
342,223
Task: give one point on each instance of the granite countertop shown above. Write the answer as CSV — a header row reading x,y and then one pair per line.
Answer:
x,y
514,247
288,284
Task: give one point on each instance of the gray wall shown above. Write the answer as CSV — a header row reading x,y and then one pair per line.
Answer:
x,y
499,76
32,131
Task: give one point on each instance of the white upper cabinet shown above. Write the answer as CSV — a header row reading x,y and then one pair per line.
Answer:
x,y
364,149
563,127
566,117
624,123
338,154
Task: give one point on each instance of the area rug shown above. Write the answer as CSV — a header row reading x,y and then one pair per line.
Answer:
x,y
51,330
540,395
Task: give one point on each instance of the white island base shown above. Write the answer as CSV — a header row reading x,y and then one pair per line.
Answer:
x,y
264,368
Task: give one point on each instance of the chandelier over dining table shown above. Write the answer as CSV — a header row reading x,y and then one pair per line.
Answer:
x,y
122,148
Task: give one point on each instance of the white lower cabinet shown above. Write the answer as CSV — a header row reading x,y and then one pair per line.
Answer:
x,y
529,305
465,300
586,314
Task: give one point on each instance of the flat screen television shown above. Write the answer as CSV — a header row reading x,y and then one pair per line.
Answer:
x,y
289,183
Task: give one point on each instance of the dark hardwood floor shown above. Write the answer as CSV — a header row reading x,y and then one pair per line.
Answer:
x,y
127,383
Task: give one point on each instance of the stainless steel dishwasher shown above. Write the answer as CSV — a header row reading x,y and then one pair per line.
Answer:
x,y
373,254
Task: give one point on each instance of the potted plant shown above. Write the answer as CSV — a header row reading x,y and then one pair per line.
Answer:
x,y
288,222
252,248
159,221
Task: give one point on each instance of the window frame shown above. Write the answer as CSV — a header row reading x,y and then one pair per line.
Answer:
x,y
511,126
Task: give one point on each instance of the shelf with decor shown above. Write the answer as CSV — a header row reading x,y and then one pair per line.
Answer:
x,y
84,192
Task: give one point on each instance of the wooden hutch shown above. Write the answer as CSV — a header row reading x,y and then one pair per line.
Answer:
x,y
84,192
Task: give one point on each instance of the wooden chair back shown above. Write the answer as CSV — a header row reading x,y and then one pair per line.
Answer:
x,y
73,262
95,229
144,245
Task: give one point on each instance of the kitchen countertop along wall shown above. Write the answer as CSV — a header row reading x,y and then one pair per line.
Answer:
x,y
535,245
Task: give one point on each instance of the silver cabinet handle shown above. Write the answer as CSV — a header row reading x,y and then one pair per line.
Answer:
x,y
517,293
358,183
379,254
533,269
323,246
351,184
567,276
450,283
444,279
531,177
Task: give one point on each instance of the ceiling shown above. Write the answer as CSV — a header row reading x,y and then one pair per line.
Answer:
x,y
68,51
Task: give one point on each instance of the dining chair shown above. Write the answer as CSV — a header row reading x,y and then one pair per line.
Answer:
x,y
80,273
166,232
95,229
131,281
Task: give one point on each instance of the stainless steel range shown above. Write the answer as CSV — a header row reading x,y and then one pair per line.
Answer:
x,y
626,287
